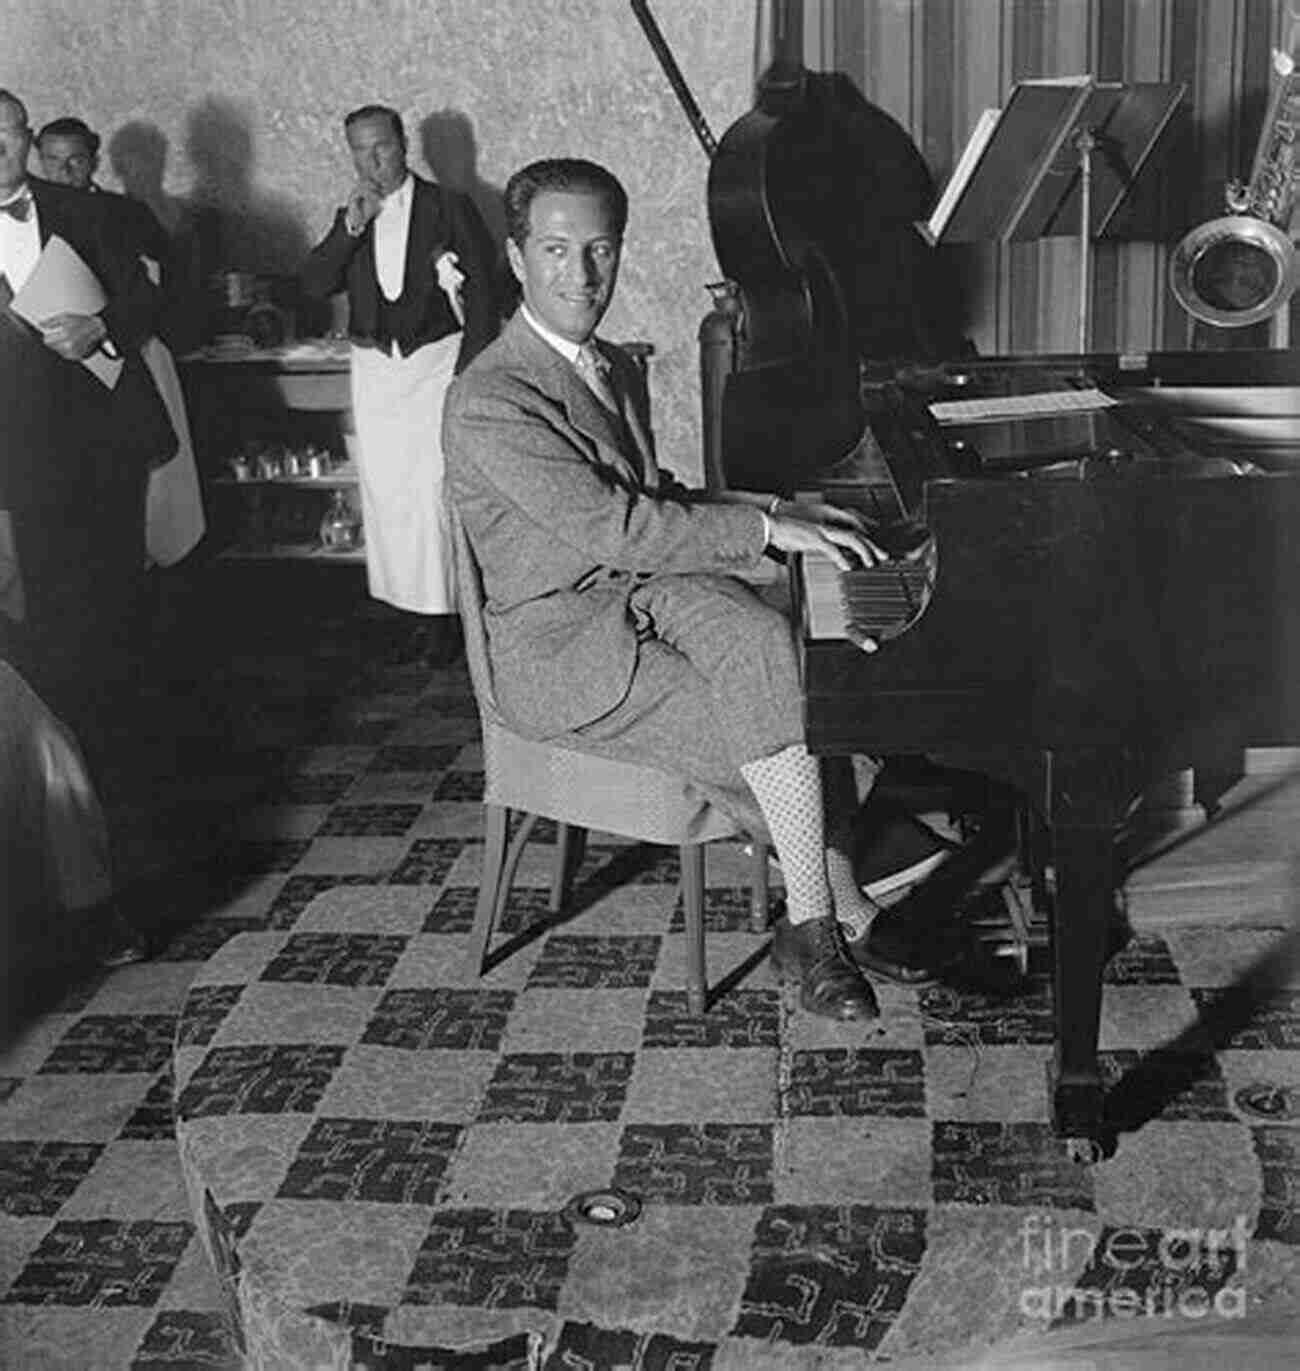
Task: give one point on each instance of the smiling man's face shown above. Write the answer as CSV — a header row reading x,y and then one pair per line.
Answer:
x,y
568,264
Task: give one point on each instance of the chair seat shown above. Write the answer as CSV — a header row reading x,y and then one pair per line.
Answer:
x,y
592,792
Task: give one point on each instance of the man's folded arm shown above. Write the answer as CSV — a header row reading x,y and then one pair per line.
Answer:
x,y
324,273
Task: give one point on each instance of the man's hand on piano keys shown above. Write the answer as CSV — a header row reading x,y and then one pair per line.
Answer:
x,y
841,537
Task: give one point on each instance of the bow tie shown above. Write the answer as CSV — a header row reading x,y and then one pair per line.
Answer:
x,y
19,208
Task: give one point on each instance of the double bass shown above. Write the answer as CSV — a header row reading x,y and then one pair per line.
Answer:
x,y
813,195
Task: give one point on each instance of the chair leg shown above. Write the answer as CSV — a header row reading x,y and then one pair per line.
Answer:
x,y
760,894
693,909
496,823
570,845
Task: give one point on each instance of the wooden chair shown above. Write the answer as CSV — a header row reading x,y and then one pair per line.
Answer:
x,y
580,792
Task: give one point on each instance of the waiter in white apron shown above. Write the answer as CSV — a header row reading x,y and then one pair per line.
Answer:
x,y
417,263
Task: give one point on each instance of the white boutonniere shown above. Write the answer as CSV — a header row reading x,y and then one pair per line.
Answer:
x,y
450,281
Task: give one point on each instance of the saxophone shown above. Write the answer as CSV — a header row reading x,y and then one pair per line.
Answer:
x,y
1242,268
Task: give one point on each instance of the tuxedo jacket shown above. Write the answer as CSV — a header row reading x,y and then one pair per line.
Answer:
x,y
442,220
56,420
567,511
140,226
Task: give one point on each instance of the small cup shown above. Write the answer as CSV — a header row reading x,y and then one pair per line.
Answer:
x,y
240,469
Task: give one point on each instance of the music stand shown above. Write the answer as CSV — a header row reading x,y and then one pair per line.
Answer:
x,y
1060,160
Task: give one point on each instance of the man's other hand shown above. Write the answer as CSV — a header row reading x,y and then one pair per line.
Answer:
x,y
73,336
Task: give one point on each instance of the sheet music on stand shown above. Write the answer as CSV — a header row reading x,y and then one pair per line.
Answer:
x,y
1018,176
996,408
1060,159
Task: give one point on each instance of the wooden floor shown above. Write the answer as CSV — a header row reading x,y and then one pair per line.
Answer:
x,y
1239,865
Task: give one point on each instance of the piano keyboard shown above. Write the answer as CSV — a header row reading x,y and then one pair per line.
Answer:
x,y
868,604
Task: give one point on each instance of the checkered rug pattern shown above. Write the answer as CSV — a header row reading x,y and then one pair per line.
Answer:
x,y
308,1134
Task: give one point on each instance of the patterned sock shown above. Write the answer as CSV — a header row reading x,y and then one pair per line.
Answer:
x,y
853,909
788,788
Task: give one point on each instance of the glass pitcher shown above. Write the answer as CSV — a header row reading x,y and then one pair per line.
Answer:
x,y
340,529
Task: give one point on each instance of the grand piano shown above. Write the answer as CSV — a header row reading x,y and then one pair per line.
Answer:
x,y
1098,557
1101,586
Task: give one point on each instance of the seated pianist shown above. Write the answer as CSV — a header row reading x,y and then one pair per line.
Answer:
x,y
618,616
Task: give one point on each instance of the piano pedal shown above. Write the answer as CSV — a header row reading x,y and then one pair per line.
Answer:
x,y
997,928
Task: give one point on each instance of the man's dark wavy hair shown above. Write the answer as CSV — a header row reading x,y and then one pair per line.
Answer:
x,y
70,127
560,174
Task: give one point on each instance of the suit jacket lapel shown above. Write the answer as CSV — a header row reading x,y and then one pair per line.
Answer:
x,y
45,215
422,239
632,423
561,381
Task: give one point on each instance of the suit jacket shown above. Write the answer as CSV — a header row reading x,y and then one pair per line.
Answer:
x,y
55,418
567,512
141,228
442,220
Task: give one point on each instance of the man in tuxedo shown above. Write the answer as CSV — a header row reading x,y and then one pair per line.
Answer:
x,y
174,523
417,263
618,619
74,453
69,153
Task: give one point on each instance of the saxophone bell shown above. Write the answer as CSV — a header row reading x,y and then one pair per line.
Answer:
x,y
1242,268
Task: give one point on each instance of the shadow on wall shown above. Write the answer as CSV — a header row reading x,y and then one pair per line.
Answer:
x,y
137,153
450,149
257,231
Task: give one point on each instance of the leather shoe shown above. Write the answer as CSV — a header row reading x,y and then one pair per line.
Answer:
x,y
884,951
830,983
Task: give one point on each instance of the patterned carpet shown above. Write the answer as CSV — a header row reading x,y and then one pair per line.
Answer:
x,y
381,1153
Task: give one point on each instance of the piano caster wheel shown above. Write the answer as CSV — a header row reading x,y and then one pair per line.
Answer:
x,y
1084,1151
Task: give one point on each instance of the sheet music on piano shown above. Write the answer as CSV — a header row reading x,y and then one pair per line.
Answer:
x,y
996,408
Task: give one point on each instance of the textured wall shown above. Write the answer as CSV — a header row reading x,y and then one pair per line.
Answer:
x,y
236,104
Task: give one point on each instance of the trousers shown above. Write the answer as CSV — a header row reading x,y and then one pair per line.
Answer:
x,y
716,685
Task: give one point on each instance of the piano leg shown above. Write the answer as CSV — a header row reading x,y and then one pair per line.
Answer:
x,y
1084,903
1087,793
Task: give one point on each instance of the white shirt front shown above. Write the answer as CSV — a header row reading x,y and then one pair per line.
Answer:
x,y
20,244
392,226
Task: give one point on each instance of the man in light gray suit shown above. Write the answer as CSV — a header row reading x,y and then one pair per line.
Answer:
x,y
617,620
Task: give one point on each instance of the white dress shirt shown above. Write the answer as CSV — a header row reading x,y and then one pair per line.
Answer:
x,y
20,243
392,226
568,350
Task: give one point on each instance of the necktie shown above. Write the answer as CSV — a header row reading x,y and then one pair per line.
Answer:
x,y
595,371
6,291
18,208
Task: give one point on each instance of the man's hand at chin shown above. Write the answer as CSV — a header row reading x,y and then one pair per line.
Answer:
x,y
73,336
363,204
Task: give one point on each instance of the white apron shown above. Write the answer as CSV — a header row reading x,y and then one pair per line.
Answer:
x,y
173,517
397,407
